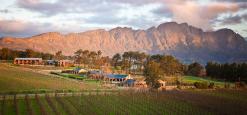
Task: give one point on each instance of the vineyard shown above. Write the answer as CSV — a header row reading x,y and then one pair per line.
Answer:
x,y
126,103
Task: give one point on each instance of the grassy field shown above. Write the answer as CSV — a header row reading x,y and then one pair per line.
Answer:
x,y
68,75
222,102
15,79
193,79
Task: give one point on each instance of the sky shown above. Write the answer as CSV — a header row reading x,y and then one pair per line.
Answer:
x,y
23,18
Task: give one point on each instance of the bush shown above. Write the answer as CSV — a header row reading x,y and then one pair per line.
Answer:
x,y
55,73
227,85
242,84
211,85
201,85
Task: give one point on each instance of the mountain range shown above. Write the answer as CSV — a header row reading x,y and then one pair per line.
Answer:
x,y
183,41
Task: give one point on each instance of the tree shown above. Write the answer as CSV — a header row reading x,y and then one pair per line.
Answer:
x,y
46,56
139,60
78,56
135,60
171,66
229,72
115,59
195,69
92,56
99,53
156,57
59,55
8,54
30,53
152,74
5,54
85,56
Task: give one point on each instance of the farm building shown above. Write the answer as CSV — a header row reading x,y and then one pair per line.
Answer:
x,y
64,63
129,82
96,74
75,71
79,70
143,84
116,78
162,85
30,61
49,62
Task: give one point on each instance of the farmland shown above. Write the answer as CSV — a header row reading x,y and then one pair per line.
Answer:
x,y
26,91
126,102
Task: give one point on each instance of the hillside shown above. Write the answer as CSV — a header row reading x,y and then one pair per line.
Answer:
x,y
185,42
19,79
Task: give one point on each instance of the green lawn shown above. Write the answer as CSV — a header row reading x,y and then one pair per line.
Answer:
x,y
68,75
193,79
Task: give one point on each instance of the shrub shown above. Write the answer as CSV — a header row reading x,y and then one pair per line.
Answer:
x,y
242,85
55,73
211,85
201,85
227,85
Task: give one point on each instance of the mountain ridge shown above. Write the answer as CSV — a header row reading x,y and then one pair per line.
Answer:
x,y
185,42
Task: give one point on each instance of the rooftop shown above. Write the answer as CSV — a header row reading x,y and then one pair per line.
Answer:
x,y
117,76
28,58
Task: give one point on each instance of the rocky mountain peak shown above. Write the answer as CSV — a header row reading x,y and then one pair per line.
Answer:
x,y
186,42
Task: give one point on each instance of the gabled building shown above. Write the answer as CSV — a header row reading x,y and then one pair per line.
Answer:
x,y
64,63
28,61
115,78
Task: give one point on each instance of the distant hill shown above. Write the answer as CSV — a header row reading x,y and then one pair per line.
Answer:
x,y
185,42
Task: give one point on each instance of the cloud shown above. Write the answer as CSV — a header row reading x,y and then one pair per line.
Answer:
x,y
20,28
68,6
41,7
135,13
196,14
190,11
5,11
231,1
231,20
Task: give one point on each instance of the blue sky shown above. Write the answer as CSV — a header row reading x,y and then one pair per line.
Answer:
x,y
22,18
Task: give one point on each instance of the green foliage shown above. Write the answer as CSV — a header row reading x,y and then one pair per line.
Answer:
x,y
204,85
59,55
152,73
211,85
30,53
227,85
91,58
8,54
201,85
115,59
195,69
118,67
72,76
169,65
229,72
128,60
